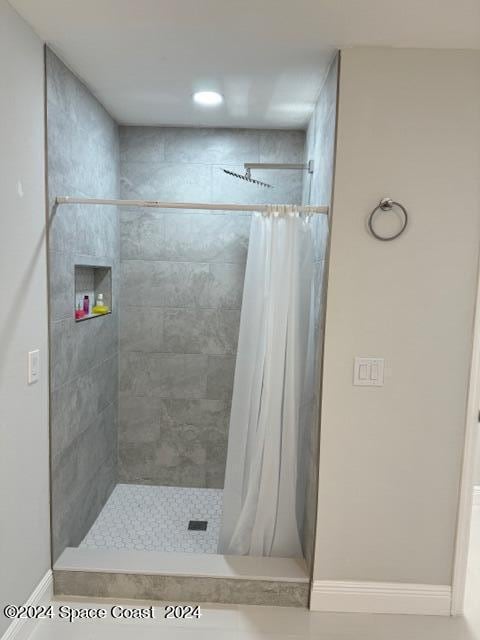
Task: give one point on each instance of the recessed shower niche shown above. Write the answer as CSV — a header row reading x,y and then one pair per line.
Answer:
x,y
93,291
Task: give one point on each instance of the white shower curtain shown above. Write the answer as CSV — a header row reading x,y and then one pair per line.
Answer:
x,y
259,504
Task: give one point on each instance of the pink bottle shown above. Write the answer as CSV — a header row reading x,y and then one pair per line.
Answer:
x,y
79,312
86,305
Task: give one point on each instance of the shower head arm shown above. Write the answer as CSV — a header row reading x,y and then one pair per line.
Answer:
x,y
279,165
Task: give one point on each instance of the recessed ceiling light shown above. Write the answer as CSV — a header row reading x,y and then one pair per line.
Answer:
x,y
208,98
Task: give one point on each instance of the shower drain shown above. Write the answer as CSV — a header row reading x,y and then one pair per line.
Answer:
x,y
197,525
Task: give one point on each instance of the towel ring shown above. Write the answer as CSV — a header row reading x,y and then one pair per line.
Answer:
x,y
387,204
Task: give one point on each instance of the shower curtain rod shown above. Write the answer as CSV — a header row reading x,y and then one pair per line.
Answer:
x,y
156,204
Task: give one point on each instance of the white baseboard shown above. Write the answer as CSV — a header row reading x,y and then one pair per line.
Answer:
x,y
380,597
42,595
476,496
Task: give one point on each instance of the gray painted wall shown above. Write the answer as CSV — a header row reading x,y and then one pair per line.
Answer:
x,y
24,491
390,457
476,477
317,190
83,160
182,281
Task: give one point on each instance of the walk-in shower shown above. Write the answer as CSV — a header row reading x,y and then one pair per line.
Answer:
x,y
258,514
147,399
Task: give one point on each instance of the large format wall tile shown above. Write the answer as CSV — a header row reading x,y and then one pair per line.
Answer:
x,y
148,417
181,293
221,370
74,152
61,284
76,405
65,91
224,286
173,442
282,146
62,222
211,146
142,144
165,181
86,453
206,237
169,284
62,85
77,347
181,284
83,160
141,328
164,375
85,469
97,231
142,234
210,331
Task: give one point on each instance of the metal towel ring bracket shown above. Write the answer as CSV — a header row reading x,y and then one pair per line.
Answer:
x,y
387,204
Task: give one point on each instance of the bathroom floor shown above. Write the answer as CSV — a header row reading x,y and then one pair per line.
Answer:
x,y
236,622
149,518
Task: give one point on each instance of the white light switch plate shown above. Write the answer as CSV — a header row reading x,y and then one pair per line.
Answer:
x,y
368,372
33,366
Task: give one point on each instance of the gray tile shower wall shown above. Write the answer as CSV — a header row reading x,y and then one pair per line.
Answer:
x,y
83,160
317,190
181,290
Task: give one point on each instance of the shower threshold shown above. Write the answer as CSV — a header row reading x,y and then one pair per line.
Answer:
x,y
181,577
159,543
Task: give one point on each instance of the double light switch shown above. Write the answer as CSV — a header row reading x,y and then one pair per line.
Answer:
x,y
368,372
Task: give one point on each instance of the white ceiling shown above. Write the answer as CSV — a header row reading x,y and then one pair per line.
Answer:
x,y
144,58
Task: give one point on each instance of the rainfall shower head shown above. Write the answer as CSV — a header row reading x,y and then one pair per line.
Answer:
x,y
248,177
268,165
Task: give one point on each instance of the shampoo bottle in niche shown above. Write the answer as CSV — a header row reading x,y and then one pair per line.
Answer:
x,y
100,306
86,305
